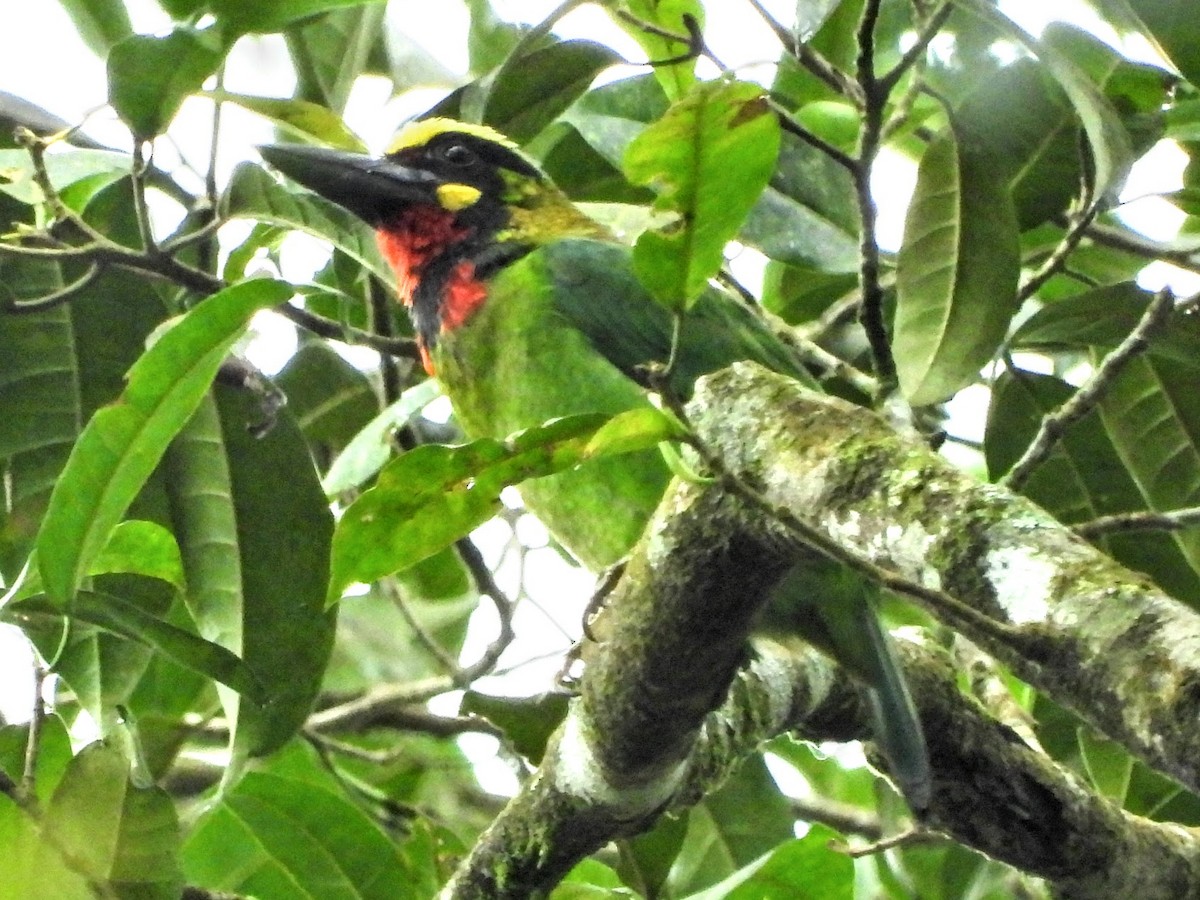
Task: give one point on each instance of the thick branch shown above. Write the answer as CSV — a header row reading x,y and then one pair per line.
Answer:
x,y
641,738
1096,637
991,791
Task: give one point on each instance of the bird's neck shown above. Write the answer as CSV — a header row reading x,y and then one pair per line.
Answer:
x,y
443,260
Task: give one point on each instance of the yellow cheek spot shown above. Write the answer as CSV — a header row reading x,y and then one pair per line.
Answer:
x,y
454,197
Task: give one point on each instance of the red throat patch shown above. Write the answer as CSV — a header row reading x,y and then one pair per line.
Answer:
x,y
419,235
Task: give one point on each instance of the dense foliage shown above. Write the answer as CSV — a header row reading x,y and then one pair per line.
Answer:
x,y
167,541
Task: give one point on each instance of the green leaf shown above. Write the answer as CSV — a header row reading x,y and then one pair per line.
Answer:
x,y
147,857
646,859
1109,766
122,443
129,621
1176,29
489,39
278,837
1183,121
721,838
101,23
54,754
1152,413
205,525
329,52
331,399
1083,478
34,867
112,831
807,215
182,10
141,548
527,722
300,118
800,295
150,77
274,16
432,495
531,91
804,869
1022,115
711,156
590,879
1104,317
84,816
64,169
41,412
372,446
666,15
284,525
957,271
253,194
1111,152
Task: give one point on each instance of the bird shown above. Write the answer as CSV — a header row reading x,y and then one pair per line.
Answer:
x,y
526,309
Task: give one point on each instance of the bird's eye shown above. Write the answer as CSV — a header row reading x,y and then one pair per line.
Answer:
x,y
458,155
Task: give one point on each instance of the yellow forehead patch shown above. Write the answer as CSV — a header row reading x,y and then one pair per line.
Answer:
x,y
418,134
454,197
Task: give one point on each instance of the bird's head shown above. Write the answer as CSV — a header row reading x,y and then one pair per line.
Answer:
x,y
450,203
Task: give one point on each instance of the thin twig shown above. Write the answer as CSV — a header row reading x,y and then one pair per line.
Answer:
x,y
875,100
379,697
1186,256
140,209
791,125
210,177
183,241
395,696
908,837
915,60
1055,424
811,59
392,591
485,583
843,817
1175,520
33,744
916,52
54,298
403,348
36,147
1057,259
408,720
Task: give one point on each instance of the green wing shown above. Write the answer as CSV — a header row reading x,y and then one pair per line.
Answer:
x,y
596,290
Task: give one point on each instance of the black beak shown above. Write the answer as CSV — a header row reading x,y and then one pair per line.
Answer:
x,y
373,189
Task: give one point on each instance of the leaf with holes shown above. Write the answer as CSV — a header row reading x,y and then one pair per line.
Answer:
x,y
710,157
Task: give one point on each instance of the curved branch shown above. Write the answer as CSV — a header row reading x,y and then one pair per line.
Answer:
x,y
1062,615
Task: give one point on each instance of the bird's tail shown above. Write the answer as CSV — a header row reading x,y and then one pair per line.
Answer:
x,y
897,728
836,609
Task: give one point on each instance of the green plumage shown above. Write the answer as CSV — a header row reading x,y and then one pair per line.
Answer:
x,y
565,328
561,332
564,331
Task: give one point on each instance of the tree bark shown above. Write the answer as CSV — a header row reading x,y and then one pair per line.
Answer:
x,y
666,712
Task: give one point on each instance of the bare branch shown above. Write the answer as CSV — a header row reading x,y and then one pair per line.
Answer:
x,y
1175,520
